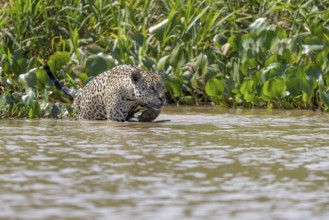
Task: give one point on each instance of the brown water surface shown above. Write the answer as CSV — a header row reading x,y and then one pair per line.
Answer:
x,y
206,163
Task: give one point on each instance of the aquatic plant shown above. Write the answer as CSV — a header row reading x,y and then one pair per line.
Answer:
x,y
231,53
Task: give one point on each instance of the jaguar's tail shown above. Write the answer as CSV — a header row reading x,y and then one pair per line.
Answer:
x,y
69,92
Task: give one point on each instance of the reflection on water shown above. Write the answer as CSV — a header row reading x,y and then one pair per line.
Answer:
x,y
205,163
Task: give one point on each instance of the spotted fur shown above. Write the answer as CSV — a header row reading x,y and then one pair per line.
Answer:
x,y
118,94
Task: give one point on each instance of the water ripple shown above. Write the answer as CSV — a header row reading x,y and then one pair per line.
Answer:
x,y
203,164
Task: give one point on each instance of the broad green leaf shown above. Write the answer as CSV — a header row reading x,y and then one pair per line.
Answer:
x,y
321,84
269,40
177,58
30,95
250,97
259,25
287,105
159,28
313,40
282,34
317,29
308,86
275,58
197,18
274,70
214,87
294,76
99,63
286,55
28,80
234,41
247,86
322,59
34,109
325,99
202,64
188,100
94,49
274,87
41,78
308,49
162,63
58,59
174,85
313,70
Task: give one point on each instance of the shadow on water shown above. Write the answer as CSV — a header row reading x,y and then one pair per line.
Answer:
x,y
205,163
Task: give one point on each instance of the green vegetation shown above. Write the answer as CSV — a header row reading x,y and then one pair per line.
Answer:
x,y
248,53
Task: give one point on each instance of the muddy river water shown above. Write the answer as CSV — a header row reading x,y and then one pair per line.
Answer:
x,y
205,163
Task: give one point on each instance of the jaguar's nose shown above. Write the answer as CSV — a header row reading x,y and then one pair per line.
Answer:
x,y
158,103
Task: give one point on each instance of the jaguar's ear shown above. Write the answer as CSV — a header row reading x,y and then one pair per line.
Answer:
x,y
136,76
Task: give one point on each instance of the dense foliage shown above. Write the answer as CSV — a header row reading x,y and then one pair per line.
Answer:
x,y
248,53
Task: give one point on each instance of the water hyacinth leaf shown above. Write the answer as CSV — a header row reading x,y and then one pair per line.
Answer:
x,y
225,49
202,64
94,49
275,58
313,70
177,58
236,73
41,78
281,33
18,109
251,98
325,99
233,42
274,87
322,59
247,65
99,63
137,37
308,49
58,59
274,70
293,44
316,29
268,39
313,40
247,86
286,55
287,105
197,18
187,75
248,44
19,62
45,101
28,80
159,29
95,65
293,85
321,84
163,61
259,25
266,98
214,87
79,69
34,109
174,85
308,85
188,100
